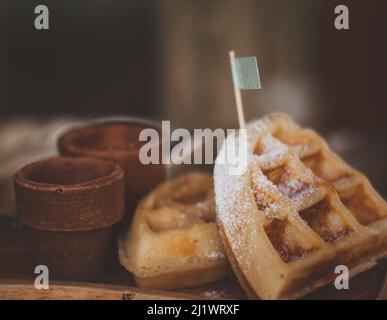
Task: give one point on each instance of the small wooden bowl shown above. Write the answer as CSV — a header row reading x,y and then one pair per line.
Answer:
x,y
117,141
69,206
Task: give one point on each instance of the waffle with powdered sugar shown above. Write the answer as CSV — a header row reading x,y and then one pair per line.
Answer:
x,y
296,213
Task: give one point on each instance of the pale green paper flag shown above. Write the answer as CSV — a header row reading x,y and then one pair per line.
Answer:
x,y
245,73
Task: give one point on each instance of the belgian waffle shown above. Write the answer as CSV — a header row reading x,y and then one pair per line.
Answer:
x,y
173,241
296,212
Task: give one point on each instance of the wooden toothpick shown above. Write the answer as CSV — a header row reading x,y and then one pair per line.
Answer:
x,y
238,99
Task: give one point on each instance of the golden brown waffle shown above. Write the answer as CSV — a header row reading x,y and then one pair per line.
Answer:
x,y
173,241
296,213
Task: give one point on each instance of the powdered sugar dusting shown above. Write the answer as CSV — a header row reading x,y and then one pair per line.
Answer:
x,y
215,255
241,198
214,293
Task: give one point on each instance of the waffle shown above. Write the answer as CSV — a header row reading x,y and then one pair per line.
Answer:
x,y
173,241
296,212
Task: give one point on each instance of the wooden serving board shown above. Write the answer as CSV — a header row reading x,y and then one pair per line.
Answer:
x,y
118,285
25,290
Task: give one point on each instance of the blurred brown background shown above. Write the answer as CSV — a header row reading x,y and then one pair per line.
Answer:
x,y
168,59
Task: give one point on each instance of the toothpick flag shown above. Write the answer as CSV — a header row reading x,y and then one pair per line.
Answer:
x,y
245,73
245,76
